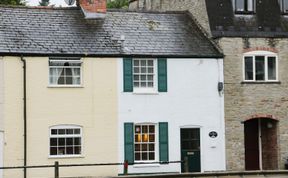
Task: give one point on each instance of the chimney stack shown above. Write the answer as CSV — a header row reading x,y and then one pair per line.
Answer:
x,y
93,9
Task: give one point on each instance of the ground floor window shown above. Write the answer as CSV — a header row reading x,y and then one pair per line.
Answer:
x,y
65,140
144,142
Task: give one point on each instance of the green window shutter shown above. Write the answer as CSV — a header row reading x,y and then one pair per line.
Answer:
x,y
163,142
128,75
129,142
162,75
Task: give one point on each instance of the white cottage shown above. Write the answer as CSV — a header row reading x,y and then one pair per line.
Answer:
x,y
170,105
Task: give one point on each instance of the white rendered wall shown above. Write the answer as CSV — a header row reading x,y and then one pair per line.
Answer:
x,y
192,101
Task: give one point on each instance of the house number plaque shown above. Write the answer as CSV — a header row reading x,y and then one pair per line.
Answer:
x,y
213,134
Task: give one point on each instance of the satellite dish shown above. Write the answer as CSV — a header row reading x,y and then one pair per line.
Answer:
x,y
69,2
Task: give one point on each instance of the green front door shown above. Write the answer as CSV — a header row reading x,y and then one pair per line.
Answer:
x,y
190,150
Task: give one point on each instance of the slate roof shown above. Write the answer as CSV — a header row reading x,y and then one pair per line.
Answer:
x,y
266,22
64,31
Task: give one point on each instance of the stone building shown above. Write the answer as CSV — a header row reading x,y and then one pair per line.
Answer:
x,y
253,37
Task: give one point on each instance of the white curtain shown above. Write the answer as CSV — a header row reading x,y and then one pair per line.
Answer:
x,y
55,75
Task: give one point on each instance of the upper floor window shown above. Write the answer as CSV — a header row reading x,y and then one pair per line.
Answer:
x,y
144,75
260,66
65,71
284,6
65,140
244,6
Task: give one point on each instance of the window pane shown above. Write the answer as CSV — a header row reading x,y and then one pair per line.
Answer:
x,y
145,138
137,129
143,70
151,128
61,150
54,131
69,141
144,147
285,6
138,138
271,68
137,157
144,156
137,147
150,84
77,150
61,141
76,71
249,68
143,62
69,150
53,151
76,131
151,138
239,5
136,69
136,77
76,81
77,141
260,67
136,62
53,141
144,129
61,80
151,147
151,156
61,131
250,5
69,131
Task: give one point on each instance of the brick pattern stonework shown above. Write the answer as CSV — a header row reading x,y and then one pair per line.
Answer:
x,y
251,100
196,7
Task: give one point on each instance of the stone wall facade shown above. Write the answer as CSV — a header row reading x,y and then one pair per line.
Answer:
x,y
196,7
246,100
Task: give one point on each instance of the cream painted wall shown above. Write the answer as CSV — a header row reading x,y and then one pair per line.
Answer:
x,y
92,106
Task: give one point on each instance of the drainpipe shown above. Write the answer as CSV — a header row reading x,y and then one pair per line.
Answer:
x,y
24,115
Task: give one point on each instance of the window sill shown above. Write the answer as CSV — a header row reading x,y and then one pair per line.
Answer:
x,y
260,82
65,156
146,165
244,13
65,86
145,92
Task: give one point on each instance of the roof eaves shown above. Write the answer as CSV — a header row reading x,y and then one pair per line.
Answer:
x,y
110,55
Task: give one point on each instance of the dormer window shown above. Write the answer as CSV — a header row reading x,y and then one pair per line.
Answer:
x,y
244,6
284,6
